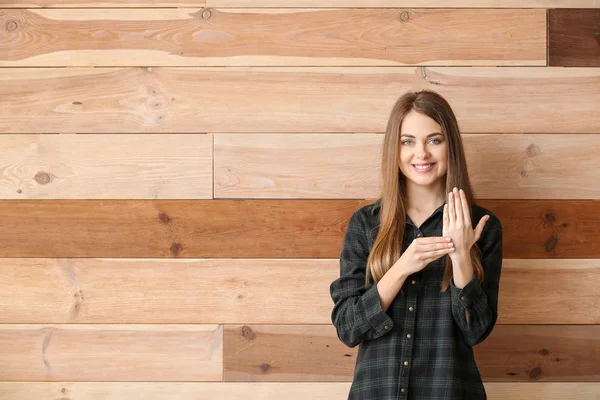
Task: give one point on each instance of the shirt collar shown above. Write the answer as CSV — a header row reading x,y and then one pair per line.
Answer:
x,y
377,206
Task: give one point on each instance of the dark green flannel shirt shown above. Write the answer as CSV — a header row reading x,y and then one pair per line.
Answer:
x,y
421,347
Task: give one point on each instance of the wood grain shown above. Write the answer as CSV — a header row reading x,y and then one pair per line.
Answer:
x,y
273,291
303,3
259,228
262,390
574,38
100,3
180,37
286,99
347,165
106,166
409,3
111,353
512,353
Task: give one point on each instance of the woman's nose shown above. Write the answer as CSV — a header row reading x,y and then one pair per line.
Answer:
x,y
422,152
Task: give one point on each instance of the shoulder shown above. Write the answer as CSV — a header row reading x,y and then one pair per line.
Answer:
x,y
365,219
368,213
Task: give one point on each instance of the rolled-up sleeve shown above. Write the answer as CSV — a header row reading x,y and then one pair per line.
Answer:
x,y
357,313
479,300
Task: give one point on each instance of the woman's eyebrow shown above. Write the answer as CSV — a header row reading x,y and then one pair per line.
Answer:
x,y
430,135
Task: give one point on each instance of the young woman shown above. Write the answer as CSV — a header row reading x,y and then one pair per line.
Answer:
x,y
420,267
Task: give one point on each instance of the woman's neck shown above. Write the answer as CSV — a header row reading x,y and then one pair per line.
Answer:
x,y
424,198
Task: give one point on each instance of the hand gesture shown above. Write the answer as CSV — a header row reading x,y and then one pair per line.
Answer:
x,y
457,223
424,250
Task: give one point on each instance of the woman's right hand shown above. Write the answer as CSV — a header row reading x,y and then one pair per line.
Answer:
x,y
422,251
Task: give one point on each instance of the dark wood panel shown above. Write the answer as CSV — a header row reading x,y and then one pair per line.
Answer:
x,y
259,228
512,353
349,36
574,37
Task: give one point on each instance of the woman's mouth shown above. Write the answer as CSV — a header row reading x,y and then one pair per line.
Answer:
x,y
423,168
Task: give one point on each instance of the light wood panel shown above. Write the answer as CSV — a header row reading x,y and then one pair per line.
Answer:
x,y
111,352
574,38
80,37
304,3
259,228
310,99
263,390
408,3
99,3
347,165
106,166
265,291
512,353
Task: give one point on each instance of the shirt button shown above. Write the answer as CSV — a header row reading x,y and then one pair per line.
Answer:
x,y
414,282
462,298
411,308
386,327
403,390
405,363
409,336
419,234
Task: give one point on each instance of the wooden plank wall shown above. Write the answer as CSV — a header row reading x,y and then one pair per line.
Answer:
x,y
176,178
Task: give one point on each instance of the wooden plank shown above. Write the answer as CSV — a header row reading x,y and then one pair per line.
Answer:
x,y
302,3
106,166
574,38
409,3
287,99
262,291
100,3
263,390
512,353
347,165
111,352
259,228
293,37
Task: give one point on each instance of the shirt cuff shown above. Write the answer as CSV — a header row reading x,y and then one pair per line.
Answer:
x,y
379,320
472,295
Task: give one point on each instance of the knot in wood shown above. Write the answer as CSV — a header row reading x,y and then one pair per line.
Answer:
x,y
404,16
42,178
248,333
206,14
11,25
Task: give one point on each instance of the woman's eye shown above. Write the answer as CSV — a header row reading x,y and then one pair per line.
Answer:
x,y
438,140
406,141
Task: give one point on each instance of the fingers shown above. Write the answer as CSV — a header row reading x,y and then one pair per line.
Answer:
x,y
465,207
480,226
451,209
434,255
458,207
445,220
433,239
440,244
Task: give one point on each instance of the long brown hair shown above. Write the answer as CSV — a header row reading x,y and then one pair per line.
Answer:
x,y
387,248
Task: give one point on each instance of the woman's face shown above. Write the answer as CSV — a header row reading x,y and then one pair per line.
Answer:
x,y
423,150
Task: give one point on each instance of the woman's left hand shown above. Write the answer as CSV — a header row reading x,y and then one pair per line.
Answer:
x,y
458,225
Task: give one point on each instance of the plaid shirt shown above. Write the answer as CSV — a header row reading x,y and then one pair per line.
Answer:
x,y
421,348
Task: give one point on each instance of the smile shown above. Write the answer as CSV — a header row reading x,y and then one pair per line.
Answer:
x,y
423,168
